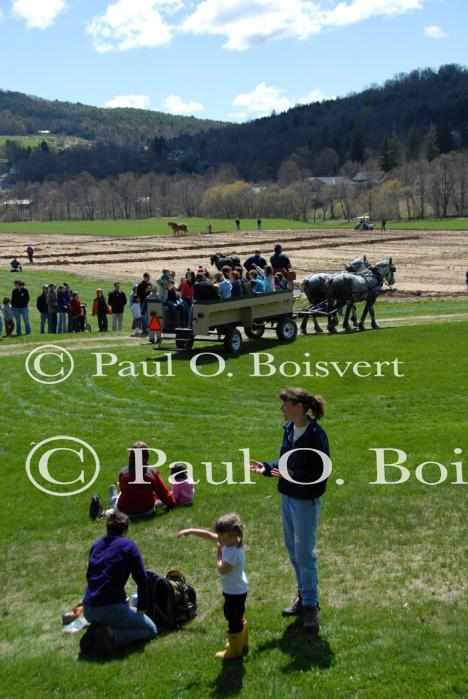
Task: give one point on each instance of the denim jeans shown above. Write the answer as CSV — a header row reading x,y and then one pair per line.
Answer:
x,y
22,313
62,322
300,521
44,320
128,626
53,323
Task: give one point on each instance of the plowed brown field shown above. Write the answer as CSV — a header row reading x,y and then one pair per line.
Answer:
x,y
427,262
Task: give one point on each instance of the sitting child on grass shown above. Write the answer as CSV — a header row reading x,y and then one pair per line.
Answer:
x,y
183,487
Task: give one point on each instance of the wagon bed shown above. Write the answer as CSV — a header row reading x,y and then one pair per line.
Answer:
x,y
224,317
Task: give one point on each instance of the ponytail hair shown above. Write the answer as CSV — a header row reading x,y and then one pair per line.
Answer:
x,y
230,524
315,403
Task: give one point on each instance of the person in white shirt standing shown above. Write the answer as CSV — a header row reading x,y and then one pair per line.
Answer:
x,y
228,533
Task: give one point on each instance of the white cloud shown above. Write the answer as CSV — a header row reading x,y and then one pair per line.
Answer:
x,y
262,100
135,101
266,98
38,14
133,24
314,96
175,105
247,23
435,32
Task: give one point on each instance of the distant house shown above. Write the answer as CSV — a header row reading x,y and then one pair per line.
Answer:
x,y
317,184
44,131
20,203
364,177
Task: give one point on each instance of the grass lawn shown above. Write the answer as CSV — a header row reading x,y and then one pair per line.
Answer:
x,y
158,226
390,562
25,141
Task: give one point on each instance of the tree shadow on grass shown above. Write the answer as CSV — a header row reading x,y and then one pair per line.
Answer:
x,y
230,679
305,650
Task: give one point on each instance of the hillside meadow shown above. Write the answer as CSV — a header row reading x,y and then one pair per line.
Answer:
x,y
391,575
159,226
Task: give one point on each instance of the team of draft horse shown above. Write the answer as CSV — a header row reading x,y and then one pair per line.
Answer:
x,y
328,294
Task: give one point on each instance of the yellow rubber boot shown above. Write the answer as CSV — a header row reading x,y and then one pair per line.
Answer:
x,y
234,649
245,636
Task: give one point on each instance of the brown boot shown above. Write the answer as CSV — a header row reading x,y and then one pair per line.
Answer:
x,y
311,619
296,607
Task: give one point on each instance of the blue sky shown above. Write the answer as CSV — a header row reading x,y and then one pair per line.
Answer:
x,y
221,59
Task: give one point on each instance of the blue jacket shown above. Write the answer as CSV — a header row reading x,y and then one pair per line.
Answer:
x,y
111,561
303,466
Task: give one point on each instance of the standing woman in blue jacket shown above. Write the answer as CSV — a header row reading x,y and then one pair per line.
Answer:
x,y
301,486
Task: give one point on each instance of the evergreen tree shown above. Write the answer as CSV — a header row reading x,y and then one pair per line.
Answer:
x,y
413,143
358,146
390,153
431,147
444,138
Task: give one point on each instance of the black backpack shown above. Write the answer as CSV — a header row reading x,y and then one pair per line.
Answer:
x,y
95,507
171,601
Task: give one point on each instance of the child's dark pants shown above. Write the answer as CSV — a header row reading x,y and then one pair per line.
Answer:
x,y
234,608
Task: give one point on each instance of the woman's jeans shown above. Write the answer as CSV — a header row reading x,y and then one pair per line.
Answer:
x,y
22,313
62,322
300,521
128,626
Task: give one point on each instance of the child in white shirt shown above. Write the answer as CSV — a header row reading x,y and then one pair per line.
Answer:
x,y
228,533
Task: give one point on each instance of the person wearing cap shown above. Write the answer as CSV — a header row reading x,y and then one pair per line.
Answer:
x,y
255,261
43,308
306,446
101,309
143,290
279,261
19,304
117,301
62,309
52,304
68,296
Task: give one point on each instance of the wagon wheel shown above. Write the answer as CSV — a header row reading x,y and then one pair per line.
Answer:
x,y
184,343
256,331
286,330
233,341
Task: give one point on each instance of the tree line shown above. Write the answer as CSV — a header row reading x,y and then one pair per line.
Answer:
x,y
415,189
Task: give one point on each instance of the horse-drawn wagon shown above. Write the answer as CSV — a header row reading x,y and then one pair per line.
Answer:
x,y
224,318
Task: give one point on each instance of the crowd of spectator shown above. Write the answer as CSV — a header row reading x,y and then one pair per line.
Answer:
x,y
62,311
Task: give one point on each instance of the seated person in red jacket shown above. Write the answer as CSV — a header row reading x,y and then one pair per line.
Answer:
x,y
139,499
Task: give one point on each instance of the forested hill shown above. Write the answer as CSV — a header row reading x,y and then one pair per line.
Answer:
x,y
421,114
409,111
21,115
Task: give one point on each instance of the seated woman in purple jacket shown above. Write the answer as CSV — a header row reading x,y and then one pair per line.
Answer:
x,y
112,559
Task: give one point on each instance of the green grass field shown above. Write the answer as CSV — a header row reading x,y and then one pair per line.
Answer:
x,y
157,226
390,557
24,141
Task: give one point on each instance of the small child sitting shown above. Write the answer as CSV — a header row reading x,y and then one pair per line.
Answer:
x,y
183,487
